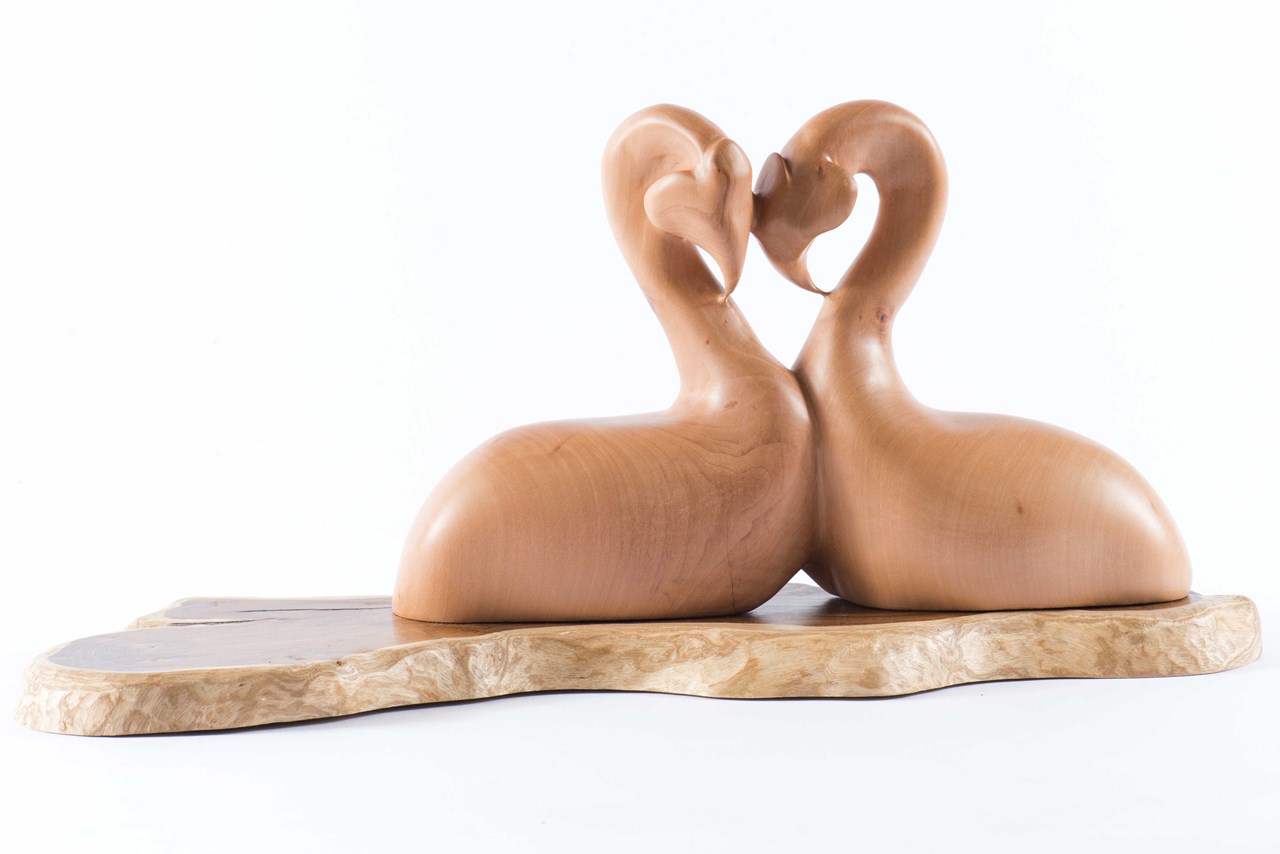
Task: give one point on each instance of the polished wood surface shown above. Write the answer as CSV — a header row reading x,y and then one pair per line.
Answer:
x,y
919,508
703,509
962,523
206,664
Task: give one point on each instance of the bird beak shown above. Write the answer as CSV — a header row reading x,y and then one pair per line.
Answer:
x,y
797,271
787,251
730,264
731,253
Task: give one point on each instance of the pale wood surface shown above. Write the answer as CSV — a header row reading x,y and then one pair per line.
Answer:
x,y
916,507
204,664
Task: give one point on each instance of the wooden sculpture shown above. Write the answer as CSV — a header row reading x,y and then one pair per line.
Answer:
x,y
701,510
707,509
918,508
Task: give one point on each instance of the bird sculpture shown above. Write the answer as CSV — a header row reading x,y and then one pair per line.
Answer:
x,y
703,509
918,508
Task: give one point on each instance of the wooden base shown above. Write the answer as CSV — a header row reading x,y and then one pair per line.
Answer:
x,y
205,664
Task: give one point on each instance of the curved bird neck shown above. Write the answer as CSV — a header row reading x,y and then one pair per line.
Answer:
x,y
900,155
710,338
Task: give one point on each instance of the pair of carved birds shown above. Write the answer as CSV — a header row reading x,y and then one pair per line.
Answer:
x,y
756,471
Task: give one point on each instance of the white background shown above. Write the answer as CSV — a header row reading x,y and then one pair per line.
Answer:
x,y
268,271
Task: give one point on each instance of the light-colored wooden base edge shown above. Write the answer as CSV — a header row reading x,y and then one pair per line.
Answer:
x,y
1203,634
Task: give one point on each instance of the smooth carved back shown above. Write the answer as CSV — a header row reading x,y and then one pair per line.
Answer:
x,y
918,508
704,509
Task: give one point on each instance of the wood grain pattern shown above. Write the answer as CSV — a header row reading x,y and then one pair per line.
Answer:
x,y
703,509
920,508
205,664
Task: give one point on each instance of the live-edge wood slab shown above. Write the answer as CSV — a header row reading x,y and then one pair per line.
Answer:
x,y
204,664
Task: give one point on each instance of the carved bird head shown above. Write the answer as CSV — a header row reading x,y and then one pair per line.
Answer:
x,y
709,205
795,201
